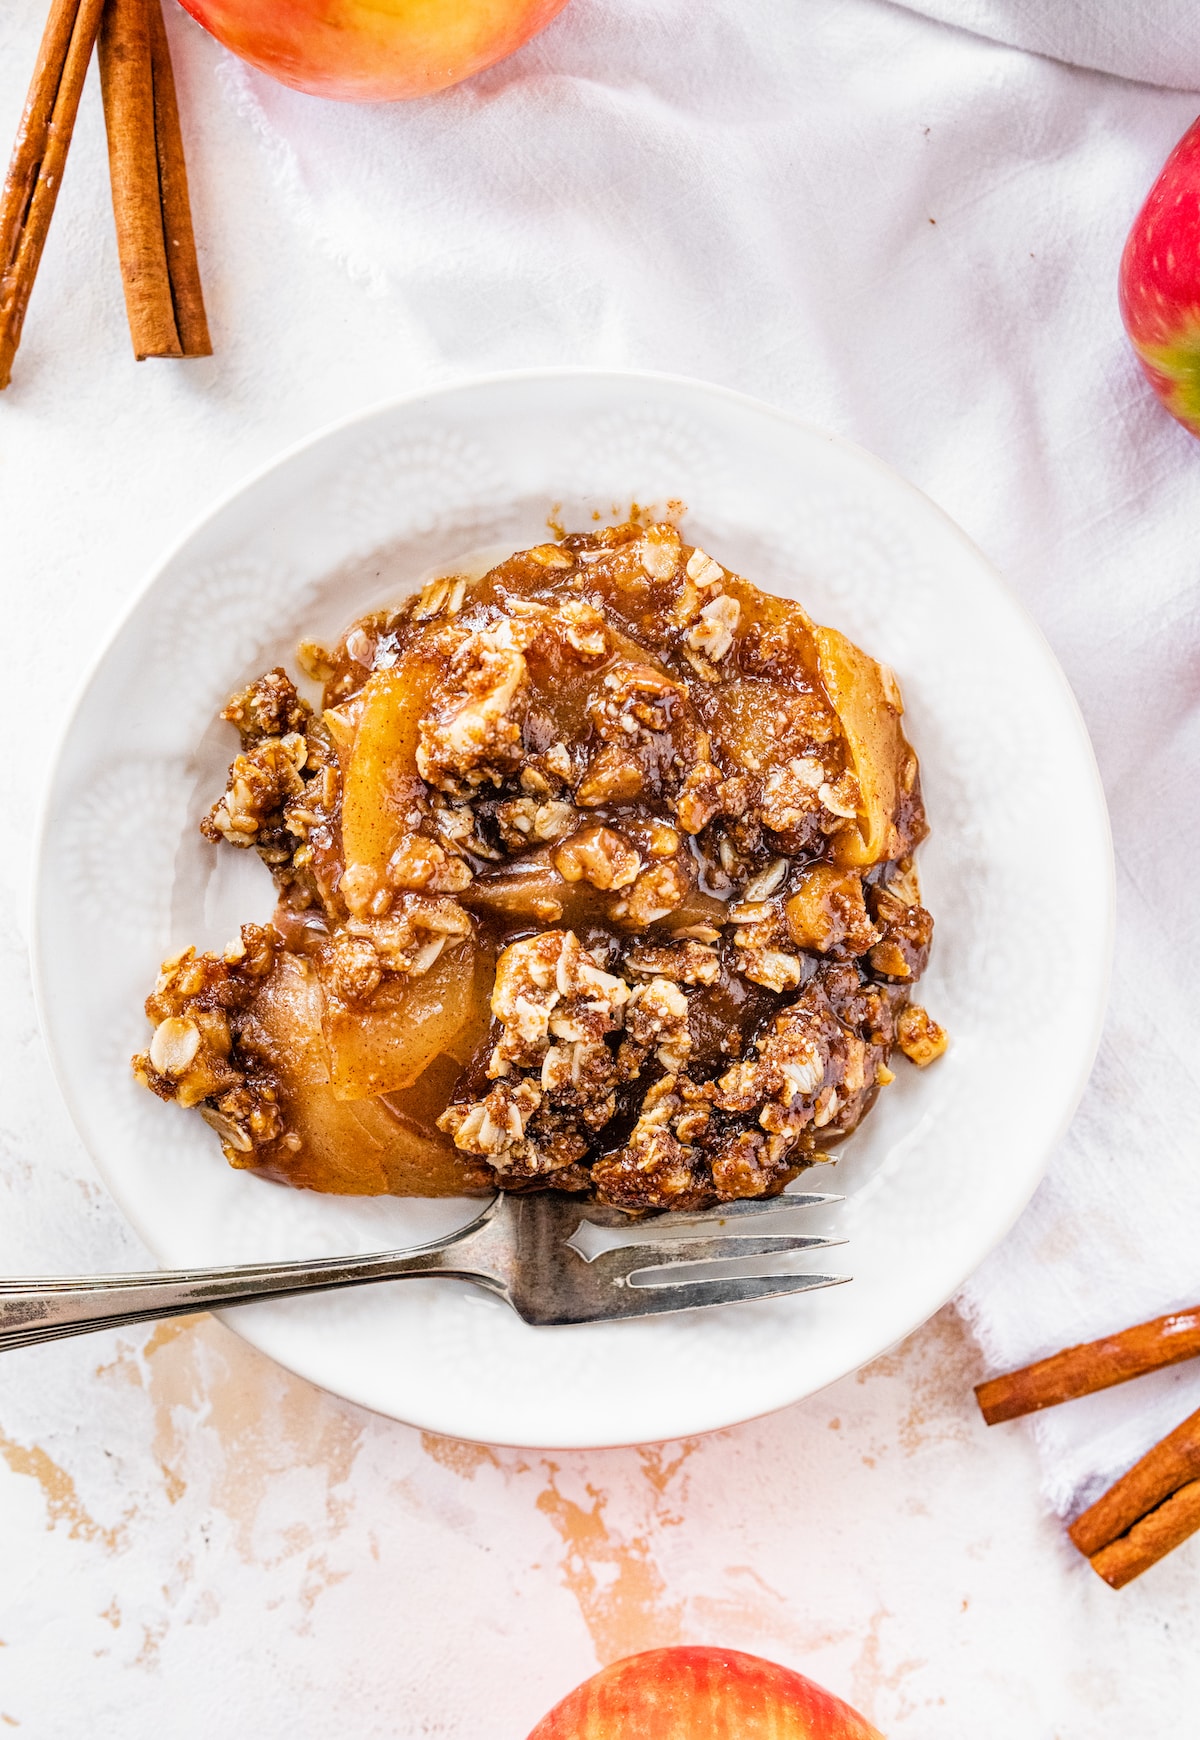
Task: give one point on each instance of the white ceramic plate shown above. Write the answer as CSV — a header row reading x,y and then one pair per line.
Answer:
x,y
1020,839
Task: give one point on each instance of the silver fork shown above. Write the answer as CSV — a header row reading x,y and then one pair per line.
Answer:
x,y
519,1248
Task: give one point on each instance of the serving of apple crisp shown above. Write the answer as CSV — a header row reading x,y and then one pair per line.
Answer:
x,y
595,874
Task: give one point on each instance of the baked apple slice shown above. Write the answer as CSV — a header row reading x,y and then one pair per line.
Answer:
x,y
382,1046
866,699
349,1147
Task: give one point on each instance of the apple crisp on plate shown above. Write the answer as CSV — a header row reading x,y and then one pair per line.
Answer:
x,y
595,874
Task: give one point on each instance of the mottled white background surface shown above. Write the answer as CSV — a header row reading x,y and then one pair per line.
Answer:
x,y
193,1541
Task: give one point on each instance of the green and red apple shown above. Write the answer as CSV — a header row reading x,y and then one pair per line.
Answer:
x,y
699,1693
372,51
1160,283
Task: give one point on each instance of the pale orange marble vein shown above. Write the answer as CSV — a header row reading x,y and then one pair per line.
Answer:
x,y
459,1456
266,1421
869,1678
619,1588
613,1577
63,1503
939,1365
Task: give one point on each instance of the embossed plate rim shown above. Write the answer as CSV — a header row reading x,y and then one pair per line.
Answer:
x,y
315,1338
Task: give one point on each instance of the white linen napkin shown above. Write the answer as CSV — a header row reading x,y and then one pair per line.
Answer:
x,y
909,233
1159,43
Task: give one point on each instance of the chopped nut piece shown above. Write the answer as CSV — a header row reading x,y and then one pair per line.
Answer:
x,y
700,799
887,957
420,865
360,887
841,796
742,1167
659,551
584,630
919,1036
706,793
355,967
558,759
613,776
526,822
656,1017
471,735
316,661
633,702
657,892
414,933
534,782
688,963
770,967
552,556
827,911
269,707
713,634
790,794
686,607
597,855
907,931
703,570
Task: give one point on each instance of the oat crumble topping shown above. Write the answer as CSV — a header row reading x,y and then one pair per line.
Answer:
x,y
596,873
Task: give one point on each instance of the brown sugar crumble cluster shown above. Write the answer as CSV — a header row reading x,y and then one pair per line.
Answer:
x,y
595,874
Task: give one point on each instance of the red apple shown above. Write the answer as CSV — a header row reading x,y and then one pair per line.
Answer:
x,y
701,1694
1160,283
372,51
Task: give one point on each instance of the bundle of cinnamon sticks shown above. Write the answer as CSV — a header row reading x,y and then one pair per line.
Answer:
x,y
157,248
1155,1506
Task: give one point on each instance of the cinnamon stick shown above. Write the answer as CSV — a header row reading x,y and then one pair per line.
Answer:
x,y
1092,1366
39,158
1162,1471
1151,1539
182,265
155,241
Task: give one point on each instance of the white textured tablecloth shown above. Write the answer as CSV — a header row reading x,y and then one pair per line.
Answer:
x,y
904,231
910,233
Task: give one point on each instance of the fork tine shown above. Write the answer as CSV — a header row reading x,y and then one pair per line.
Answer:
x,y
628,1260
691,1295
751,1205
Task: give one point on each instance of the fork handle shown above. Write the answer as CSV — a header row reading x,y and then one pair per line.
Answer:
x,y
36,1310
